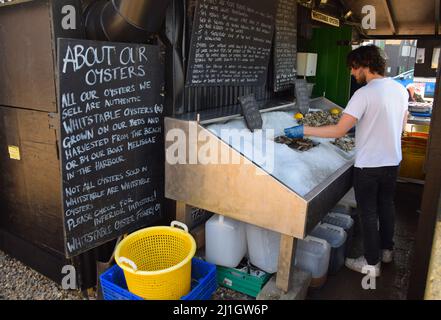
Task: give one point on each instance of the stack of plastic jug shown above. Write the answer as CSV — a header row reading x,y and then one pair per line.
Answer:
x,y
225,241
336,237
312,255
343,221
263,248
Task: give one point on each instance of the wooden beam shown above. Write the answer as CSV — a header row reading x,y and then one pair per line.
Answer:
x,y
390,19
286,262
430,204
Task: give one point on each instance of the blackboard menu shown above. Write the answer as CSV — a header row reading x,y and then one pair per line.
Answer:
x,y
111,113
251,112
285,47
231,43
302,95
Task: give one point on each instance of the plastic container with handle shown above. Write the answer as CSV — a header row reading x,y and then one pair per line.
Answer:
x,y
225,241
312,255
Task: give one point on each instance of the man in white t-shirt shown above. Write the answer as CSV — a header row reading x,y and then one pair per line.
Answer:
x,y
379,112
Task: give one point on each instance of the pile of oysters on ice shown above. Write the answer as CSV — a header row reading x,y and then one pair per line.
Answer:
x,y
319,119
297,144
347,143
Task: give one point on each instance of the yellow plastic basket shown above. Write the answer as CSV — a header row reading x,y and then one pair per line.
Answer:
x,y
157,261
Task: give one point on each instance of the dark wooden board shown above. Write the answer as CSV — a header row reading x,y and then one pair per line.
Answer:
x,y
112,148
302,95
251,112
231,43
285,45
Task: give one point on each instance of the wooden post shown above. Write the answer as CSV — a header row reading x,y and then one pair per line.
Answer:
x,y
286,262
430,204
181,212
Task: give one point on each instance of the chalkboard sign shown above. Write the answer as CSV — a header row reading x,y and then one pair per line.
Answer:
x,y
251,112
302,95
285,45
111,123
231,43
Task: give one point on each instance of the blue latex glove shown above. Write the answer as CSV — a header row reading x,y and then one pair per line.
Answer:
x,y
296,132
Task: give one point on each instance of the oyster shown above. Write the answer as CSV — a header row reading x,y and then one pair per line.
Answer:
x,y
297,144
346,143
319,119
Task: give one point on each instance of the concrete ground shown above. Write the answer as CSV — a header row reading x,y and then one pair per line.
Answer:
x,y
394,281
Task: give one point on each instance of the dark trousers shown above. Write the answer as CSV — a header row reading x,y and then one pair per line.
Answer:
x,y
375,192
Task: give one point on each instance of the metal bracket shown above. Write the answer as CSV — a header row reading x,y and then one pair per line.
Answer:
x,y
53,121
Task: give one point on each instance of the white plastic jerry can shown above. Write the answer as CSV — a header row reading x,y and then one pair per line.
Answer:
x,y
263,248
225,241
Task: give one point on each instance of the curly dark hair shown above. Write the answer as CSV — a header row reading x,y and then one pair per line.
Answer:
x,y
368,57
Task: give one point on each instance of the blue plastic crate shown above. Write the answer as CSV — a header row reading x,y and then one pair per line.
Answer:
x,y
203,284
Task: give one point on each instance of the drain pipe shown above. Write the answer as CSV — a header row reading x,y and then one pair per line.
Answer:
x,y
125,20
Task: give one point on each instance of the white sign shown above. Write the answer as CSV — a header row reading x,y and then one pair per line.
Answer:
x,y
421,56
435,58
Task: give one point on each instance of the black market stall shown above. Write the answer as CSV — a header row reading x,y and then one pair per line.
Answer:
x,y
83,146
81,136
209,96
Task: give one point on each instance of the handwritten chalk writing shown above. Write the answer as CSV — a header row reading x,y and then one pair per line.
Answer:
x,y
68,100
145,85
106,180
78,56
114,150
91,106
119,91
131,173
104,210
70,141
134,184
121,101
146,212
140,143
100,165
85,170
70,112
141,203
89,95
78,210
111,144
78,242
77,124
112,190
85,198
138,111
108,216
124,222
119,137
125,202
75,222
151,130
100,76
79,150
285,45
231,42
136,122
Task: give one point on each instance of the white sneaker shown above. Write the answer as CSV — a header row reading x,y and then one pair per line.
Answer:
x,y
387,256
361,265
